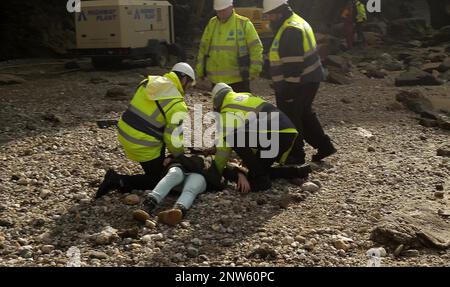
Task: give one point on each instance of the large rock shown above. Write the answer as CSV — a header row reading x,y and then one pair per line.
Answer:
x,y
444,151
415,101
416,77
337,62
327,45
420,226
445,66
408,28
441,36
337,78
10,80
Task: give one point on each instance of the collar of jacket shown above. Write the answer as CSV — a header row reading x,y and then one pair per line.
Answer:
x,y
174,78
286,14
231,18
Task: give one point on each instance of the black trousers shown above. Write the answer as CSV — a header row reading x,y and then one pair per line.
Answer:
x,y
298,107
153,173
259,166
241,87
360,37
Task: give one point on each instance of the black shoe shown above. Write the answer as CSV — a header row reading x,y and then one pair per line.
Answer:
x,y
295,161
261,183
110,182
321,154
150,204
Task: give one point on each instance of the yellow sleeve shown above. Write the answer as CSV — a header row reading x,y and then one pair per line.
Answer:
x,y
173,132
255,48
203,49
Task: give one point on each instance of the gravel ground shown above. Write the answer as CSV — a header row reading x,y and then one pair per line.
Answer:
x,y
53,155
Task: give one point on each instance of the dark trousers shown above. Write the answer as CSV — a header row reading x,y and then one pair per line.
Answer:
x,y
259,166
153,173
360,38
241,87
299,109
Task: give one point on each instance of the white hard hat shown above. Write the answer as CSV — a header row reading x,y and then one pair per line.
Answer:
x,y
219,92
186,69
222,4
269,5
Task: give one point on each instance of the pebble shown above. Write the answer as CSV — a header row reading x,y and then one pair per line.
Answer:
x,y
411,253
192,252
439,194
288,240
141,215
46,249
98,255
45,193
131,199
399,250
310,187
150,224
341,244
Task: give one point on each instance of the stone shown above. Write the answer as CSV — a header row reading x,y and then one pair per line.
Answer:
x,y
50,117
157,237
445,66
310,187
131,199
416,77
106,236
300,239
415,101
376,74
439,194
150,224
444,151
147,238
98,255
288,240
399,250
45,193
430,67
6,223
371,149
341,244
264,252
441,36
6,79
129,233
47,249
192,252
141,215
338,79
338,62
428,123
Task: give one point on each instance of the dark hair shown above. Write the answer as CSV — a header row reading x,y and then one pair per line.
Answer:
x,y
181,75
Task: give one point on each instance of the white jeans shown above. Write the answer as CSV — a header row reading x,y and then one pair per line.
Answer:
x,y
192,185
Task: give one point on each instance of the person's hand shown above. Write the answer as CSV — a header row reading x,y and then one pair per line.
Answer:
x,y
243,185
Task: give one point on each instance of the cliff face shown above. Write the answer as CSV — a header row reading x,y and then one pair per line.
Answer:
x,y
44,27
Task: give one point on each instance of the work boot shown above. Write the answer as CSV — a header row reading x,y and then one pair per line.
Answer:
x,y
295,161
172,216
110,182
323,153
150,204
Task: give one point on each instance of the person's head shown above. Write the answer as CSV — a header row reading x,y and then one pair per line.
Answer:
x,y
185,74
218,93
273,9
224,9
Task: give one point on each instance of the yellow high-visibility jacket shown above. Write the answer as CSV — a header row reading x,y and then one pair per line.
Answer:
x,y
154,119
223,43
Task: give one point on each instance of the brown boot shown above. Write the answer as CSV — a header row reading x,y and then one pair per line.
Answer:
x,y
171,217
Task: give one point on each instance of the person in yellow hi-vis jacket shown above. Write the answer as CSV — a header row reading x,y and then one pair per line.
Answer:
x,y
230,49
152,122
360,19
258,132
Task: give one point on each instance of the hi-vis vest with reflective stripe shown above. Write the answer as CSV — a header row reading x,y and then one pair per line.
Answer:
x,y
237,111
143,128
361,10
309,63
223,40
